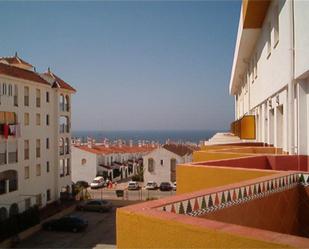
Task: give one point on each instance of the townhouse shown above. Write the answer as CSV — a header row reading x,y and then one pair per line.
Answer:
x,y
270,73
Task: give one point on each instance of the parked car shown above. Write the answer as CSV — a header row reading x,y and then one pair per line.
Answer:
x,y
67,223
166,186
95,205
174,186
151,185
98,182
133,185
82,184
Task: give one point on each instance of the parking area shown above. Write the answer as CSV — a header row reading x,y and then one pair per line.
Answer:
x,y
101,233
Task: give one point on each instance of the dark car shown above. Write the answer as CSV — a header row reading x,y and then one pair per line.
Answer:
x,y
82,184
67,223
95,205
166,186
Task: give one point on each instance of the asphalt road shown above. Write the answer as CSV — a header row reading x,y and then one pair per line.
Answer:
x,y
101,233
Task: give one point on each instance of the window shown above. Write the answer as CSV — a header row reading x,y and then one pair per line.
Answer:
x,y
255,66
26,118
4,89
47,119
48,195
268,40
47,97
38,98
161,162
47,167
26,96
38,148
276,25
27,203
38,200
10,90
38,169
84,161
68,167
61,165
38,119
27,172
26,149
47,143
15,95
150,164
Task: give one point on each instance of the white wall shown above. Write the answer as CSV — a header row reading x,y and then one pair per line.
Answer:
x,y
161,173
83,172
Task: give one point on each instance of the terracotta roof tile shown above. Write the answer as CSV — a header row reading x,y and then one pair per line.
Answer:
x,y
101,149
61,83
21,73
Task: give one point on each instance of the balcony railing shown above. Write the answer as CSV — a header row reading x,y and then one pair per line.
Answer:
x,y
2,158
213,201
13,157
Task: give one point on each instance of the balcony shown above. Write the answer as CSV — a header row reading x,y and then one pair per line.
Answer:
x,y
8,181
63,128
63,107
61,150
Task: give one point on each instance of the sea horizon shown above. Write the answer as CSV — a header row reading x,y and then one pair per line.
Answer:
x,y
161,136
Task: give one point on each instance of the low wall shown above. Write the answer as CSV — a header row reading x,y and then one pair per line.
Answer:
x,y
193,178
154,232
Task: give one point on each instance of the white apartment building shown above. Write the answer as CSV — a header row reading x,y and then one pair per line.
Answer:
x,y
91,160
270,74
160,164
35,114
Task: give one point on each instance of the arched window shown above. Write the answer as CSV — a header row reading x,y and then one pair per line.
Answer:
x,y
150,164
3,214
13,210
61,146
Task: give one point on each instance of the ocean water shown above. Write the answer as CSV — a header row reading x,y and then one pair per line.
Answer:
x,y
194,136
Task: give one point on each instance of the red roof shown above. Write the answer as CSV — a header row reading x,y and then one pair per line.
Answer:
x,y
21,73
15,60
61,83
101,149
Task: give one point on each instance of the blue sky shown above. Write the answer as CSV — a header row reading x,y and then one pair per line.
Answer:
x,y
136,65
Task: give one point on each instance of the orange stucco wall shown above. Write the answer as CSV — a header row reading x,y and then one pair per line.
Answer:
x,y
136,230
193,178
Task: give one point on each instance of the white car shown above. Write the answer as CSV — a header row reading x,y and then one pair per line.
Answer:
x,y
133,185
174,186
151,185
98,182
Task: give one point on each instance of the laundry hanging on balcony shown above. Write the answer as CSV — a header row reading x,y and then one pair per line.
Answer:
x,y
11,130
6,131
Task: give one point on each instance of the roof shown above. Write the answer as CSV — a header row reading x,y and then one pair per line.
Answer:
x,y
15,60
58,82
21,73
180,149
101,149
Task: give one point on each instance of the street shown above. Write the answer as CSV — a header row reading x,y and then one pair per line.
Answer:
x,y
100,233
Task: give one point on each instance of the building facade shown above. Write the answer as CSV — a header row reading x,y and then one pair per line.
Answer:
x,y
112,162
270,72
33,167
160,164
